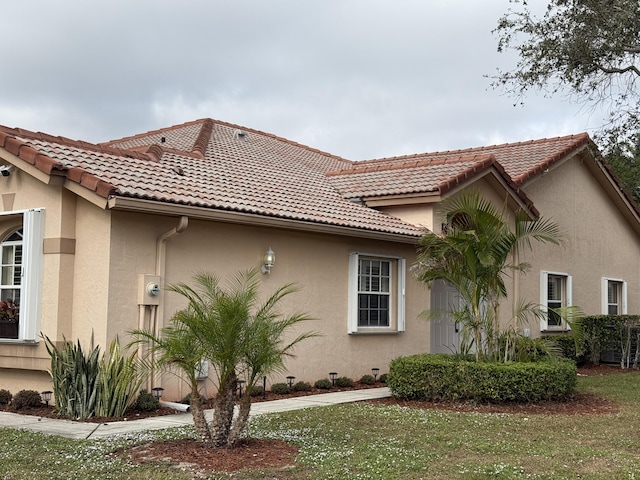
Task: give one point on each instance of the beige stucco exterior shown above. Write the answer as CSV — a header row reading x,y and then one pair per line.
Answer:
x,y
93,258
96,249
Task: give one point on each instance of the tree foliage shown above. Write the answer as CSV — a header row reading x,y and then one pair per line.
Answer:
x,y
624,158
588,48
241,337
475,254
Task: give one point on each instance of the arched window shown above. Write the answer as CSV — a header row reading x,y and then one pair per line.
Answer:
x,y
11,248
21,274
11,267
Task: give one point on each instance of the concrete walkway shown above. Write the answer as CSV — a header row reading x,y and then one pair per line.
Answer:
x,y
84,430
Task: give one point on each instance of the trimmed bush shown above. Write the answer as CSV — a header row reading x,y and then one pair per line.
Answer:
x,y
5,397
280,388
383,378
344,382
27,398
368,380
146,402
257,391
446,378
301,387
323,384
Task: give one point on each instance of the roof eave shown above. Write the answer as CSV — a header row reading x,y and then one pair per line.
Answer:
x,y
228,216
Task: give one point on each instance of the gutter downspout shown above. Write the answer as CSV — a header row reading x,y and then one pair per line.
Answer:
x,y
161,252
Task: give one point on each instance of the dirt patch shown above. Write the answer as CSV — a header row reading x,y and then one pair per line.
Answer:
x,y
189,454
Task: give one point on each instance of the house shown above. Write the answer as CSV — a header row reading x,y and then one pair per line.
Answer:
x,y
91,233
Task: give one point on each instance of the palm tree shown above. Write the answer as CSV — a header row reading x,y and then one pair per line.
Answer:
x,y
474,254
242,339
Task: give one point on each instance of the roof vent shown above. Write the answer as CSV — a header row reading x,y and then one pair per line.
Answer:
x,y
178,170
163,139
240,135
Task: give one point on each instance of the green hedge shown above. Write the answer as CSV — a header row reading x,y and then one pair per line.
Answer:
x,y
446,378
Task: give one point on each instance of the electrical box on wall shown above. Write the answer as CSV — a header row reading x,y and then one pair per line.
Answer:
x,y
148,289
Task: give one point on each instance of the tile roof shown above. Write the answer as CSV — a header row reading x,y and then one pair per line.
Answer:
x,y
411,176
228,168
521,161
217,165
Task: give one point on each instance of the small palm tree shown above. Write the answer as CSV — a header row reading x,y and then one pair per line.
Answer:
x,y
242,338
475,254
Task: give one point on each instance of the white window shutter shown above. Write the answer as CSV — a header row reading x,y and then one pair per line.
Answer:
x,y
352,322
32,271
624,298
401,293
604,295
544,276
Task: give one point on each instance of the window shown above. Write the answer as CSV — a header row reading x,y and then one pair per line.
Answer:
x,y
555,292
21,276
614,296
376,293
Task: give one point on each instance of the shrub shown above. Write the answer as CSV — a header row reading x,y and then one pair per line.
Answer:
x,y
441,377
146,402
27,398
257,391
344,382
75,377
301,387
368,380
383,378
323,384
5,397
280,388
118,381
566,344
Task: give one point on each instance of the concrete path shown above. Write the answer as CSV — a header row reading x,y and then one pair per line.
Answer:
x,y
84,430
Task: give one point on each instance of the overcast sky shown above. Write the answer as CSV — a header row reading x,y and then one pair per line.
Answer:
x,y
356,78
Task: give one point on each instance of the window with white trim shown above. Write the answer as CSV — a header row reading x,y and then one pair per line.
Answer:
x,y
376,293
614,296
555,292
21,263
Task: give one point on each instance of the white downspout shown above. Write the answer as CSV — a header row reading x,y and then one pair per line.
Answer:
x,y
158,312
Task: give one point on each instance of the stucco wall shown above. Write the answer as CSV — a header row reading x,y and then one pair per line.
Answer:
x,y
318,264
599,242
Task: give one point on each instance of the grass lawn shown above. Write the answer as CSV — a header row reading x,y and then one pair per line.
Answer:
x,y
361,441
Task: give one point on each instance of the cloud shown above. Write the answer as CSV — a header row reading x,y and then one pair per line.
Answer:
x,y
356,78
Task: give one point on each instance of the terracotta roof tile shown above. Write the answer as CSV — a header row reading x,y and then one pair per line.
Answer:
x,y
258,173
217,165
522,161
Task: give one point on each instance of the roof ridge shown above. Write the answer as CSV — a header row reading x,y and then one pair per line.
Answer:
x,y
579,137
357,169
205,133
46,164
80,144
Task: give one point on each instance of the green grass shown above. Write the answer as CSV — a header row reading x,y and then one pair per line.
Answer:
x,y
361,441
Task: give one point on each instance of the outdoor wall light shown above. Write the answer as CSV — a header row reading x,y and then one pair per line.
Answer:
x,y
290,380
268,260
157,392
332,376
375,372
46,396
6,170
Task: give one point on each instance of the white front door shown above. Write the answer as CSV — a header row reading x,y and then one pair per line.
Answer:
x,y
445,332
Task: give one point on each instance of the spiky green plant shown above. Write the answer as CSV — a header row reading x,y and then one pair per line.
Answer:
x,y
118,382
75,377
240,336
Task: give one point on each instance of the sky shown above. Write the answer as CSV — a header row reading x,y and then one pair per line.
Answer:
x,y
360,79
